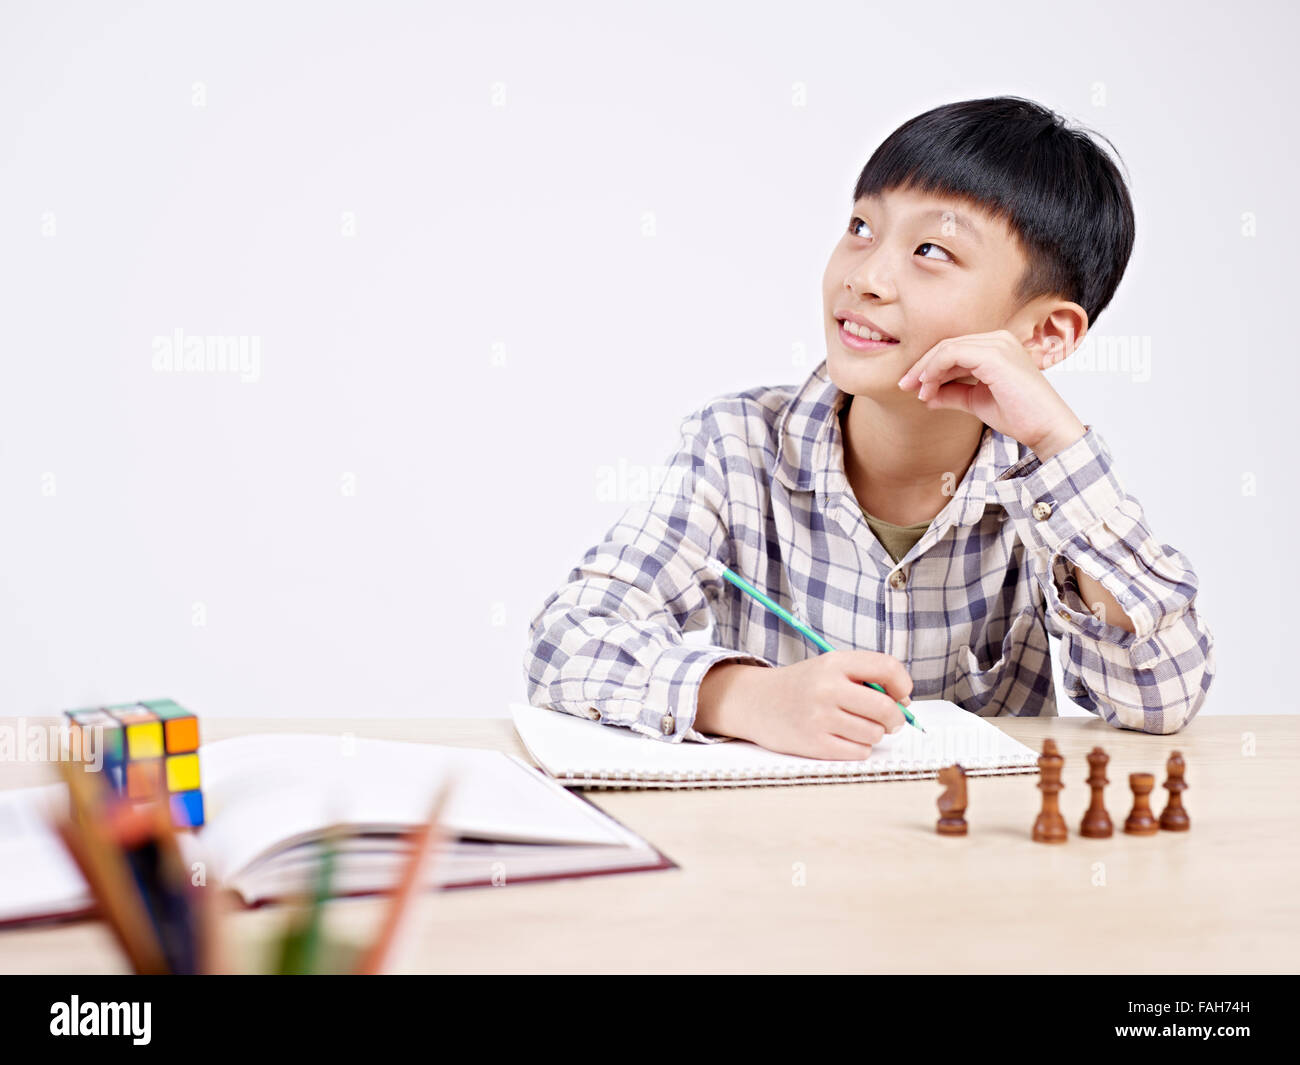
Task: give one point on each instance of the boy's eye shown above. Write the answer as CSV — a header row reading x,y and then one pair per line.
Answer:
x,y
927,244
856,222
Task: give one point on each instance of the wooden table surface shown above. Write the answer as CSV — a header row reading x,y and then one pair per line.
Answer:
x,y
853,877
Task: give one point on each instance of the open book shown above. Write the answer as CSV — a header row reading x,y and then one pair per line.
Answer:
x,y
270,799
580,752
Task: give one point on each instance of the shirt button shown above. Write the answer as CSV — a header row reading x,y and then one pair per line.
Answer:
x,y
666,725
1041,510
898,578
1063,614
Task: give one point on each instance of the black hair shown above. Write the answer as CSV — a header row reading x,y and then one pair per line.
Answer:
x,y
1055,187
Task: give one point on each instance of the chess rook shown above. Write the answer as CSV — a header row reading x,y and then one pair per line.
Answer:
x,y
1140,821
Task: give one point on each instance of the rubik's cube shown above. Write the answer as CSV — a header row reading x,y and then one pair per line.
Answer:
x,y
151,752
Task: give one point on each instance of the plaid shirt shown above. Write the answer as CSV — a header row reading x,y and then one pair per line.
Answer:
x,y
759,484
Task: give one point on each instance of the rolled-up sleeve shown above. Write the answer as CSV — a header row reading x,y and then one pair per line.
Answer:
x,y
1072,511
607,645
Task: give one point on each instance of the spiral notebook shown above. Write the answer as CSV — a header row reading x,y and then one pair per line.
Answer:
x,y
582,753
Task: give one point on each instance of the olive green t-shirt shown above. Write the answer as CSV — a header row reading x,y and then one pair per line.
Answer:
x,y
897,539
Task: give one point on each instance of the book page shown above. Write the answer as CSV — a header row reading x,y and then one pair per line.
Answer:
x,y
264,793
40,877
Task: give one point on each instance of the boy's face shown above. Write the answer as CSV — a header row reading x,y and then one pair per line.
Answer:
x,y
909,263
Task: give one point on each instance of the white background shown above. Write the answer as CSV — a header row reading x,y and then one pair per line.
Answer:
x,y
492,257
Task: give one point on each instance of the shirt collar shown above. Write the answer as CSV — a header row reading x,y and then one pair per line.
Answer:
x,y
810,451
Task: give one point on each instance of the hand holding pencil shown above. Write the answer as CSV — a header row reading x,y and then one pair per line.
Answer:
x,y
837,705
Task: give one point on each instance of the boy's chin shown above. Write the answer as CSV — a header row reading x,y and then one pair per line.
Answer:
x,y
867,373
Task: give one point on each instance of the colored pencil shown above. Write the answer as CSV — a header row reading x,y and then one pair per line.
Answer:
x,y
423,840
106,870
147,838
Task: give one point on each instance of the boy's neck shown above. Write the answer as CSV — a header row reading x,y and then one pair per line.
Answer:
x,y
896,461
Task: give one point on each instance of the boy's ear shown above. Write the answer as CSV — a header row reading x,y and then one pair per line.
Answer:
x,y
1058,334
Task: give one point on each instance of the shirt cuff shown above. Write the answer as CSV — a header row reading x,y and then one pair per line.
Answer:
x,y
1060,499
675,685
1054,505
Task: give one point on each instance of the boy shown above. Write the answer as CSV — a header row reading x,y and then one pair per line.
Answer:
x,y
925,493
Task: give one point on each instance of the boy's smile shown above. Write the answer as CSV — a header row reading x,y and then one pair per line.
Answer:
x,y
860,333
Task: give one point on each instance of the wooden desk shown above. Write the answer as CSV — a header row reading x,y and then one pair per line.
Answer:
x,y
880,891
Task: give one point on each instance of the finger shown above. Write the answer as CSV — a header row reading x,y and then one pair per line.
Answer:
x,y
883,669
909,379
839,749
950,367
965,371
862,727
936,353
964,361
952,396
880,708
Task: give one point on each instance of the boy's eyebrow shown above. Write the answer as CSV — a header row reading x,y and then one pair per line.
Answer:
x,y
962,222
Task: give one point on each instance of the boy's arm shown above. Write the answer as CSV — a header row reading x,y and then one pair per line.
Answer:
x,y
1147,666
608,643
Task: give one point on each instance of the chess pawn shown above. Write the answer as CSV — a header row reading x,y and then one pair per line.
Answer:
x,y
1050,825
952,803
1096,821
1174,818
1140,820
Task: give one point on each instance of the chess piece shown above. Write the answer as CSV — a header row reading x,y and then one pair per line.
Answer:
x,y
952,803
1174,817
1050,826
1096,821
1140,820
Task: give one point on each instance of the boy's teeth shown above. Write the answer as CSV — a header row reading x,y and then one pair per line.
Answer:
x,y
859,331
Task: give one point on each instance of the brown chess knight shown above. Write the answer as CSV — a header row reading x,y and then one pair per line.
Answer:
x,y
952,803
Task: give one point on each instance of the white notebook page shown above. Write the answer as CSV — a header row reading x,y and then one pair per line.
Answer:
x,y
570,746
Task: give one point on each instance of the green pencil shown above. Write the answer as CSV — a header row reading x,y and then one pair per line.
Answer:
x,y
714,566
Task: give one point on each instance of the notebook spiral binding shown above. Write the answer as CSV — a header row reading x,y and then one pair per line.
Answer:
x,y
609,780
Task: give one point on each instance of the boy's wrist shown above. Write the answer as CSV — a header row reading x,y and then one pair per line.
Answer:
x,y
723,691
1058,440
